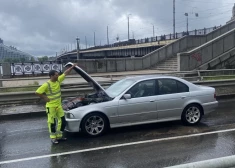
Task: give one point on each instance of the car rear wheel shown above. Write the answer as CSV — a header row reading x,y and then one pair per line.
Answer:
x,y
192,114
94,124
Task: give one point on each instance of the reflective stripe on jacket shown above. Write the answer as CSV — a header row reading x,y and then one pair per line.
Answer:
x,y
55,95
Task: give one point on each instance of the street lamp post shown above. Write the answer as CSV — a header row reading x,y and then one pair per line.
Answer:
x,y
78,40
108,35
94,39
128,26
153,30
186,14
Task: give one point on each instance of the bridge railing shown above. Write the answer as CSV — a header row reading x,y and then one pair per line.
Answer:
x,y
203,31
177,35
8,70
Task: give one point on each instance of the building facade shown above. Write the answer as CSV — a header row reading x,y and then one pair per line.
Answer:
x,y
9,52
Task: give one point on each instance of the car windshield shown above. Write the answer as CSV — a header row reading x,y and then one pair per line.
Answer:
x,y
118,87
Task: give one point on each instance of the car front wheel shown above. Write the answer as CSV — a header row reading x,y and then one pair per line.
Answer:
x,y
192,114
94,124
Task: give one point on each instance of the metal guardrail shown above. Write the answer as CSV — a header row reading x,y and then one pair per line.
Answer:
x,y
223,88
195,73
63,86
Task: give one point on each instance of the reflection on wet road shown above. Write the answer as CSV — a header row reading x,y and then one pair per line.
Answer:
x,y
152,145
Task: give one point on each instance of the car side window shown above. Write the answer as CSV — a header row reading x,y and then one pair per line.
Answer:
x,y
182,87
170,86
167,86
143,89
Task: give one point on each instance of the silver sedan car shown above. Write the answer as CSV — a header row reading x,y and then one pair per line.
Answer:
x,y
137,100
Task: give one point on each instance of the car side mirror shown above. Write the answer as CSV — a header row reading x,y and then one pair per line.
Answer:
x,y
127,96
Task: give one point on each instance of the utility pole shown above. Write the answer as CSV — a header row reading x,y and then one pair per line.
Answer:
x,y
86,42
153,30
186,14
108,35
94,39
77,47
174,18
128,26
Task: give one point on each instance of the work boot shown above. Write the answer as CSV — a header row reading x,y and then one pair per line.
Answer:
x,y
54,141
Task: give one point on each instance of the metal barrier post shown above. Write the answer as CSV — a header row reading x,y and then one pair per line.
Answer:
x,y
199,75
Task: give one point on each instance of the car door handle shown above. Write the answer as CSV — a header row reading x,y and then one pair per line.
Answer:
x,y
152,100
183,97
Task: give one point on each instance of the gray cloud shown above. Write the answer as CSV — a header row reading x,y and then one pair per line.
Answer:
x,y
43,27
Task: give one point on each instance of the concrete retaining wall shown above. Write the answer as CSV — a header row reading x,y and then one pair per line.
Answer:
x,y
210,50
111,65
138,63
121,65
130,66
101,65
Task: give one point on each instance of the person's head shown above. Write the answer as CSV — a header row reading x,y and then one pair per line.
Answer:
x,y
53,75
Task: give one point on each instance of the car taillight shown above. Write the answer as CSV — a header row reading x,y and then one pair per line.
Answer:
x,y
215,95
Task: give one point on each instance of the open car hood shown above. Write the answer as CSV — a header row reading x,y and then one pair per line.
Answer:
x,y
99,89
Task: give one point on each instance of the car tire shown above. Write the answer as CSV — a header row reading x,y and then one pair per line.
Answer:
x,y
192,114
94,124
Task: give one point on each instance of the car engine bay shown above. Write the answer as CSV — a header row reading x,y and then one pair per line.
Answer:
x,y
83,100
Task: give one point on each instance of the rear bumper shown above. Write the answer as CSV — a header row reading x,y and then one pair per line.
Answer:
x,y
210,107
72,125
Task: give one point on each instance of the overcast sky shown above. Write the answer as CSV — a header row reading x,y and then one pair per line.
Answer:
x,y
44,27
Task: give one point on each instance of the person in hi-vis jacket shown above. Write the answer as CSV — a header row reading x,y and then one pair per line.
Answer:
x,y
50,91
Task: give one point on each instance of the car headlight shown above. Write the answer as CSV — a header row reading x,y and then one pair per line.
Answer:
x,y
69,115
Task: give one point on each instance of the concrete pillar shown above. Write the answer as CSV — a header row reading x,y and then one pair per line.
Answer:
x,y
6,68
1,85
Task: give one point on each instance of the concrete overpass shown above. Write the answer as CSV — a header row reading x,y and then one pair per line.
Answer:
x,y
130,48
137,50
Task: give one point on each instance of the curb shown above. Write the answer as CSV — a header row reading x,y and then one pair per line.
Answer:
x,y
224,97
18,116
223,162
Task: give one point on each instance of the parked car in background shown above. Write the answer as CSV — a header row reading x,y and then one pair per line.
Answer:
x,y
137,100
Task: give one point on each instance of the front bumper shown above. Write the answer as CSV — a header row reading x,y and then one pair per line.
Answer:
x,y
72,125
210,107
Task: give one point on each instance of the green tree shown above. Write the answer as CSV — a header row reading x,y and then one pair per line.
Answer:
x,y
43,59
7,60
15,60
32,59
22,59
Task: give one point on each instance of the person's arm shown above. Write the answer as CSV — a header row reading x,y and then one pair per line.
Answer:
x,y
42,96
69,69
40,92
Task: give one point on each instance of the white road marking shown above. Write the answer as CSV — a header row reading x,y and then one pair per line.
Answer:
x,y
115,146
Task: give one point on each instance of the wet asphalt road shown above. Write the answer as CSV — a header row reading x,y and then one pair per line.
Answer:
x,y
172,145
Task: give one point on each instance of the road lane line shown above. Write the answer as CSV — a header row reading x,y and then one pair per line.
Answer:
x,y
115,146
